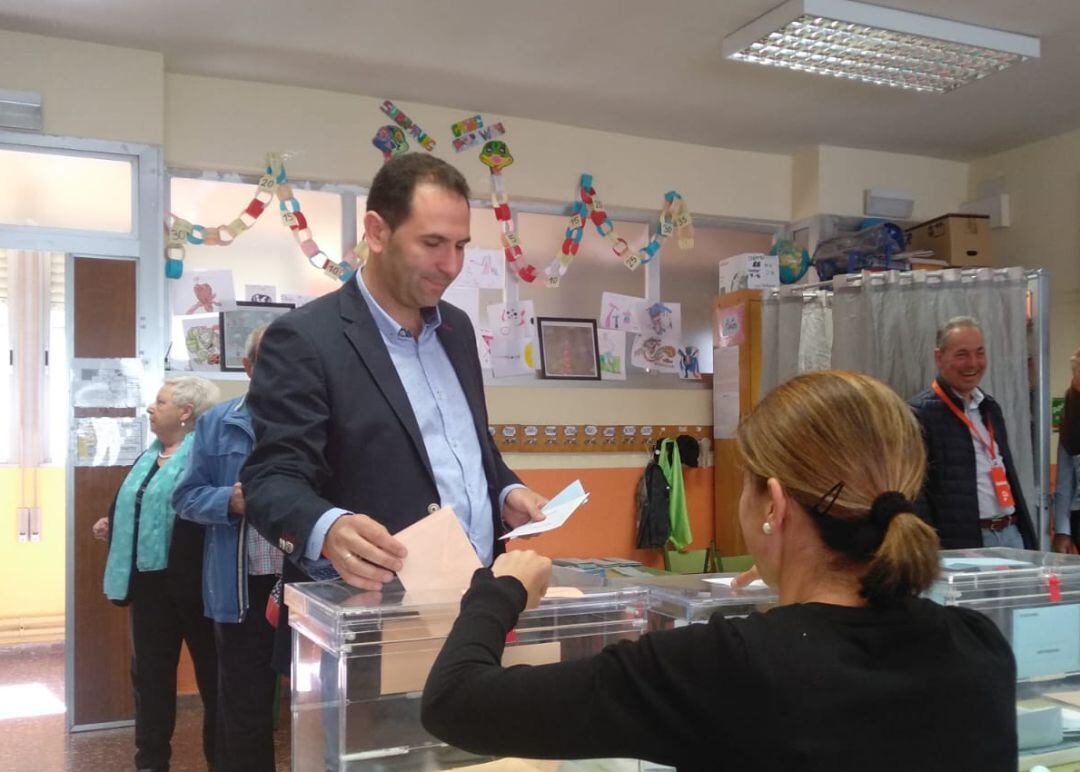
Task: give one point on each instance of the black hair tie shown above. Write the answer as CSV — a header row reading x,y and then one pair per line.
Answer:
x,y
887,506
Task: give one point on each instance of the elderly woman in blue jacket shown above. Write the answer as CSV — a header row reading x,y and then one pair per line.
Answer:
x,y
240,569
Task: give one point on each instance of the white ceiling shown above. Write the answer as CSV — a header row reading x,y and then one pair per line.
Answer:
x,y
649,68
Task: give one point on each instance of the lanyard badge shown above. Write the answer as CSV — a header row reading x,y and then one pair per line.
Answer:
x,y
1002,489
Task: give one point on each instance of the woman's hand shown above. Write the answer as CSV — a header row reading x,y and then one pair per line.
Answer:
x,y
100,529
532,570
1063,543
743,579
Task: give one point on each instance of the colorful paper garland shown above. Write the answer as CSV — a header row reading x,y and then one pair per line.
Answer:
x,y
496,156
274,182
674,215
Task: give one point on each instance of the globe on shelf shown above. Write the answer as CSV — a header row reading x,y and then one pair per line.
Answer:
x,y
794,260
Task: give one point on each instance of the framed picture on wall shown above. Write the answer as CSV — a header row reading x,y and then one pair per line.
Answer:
x,y
568,349
237,324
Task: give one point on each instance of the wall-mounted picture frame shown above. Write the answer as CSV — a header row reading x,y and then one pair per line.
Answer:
x,y
237,324
568,349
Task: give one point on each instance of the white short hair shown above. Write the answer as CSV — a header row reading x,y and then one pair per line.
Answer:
x,y
192,390
956,323
254,338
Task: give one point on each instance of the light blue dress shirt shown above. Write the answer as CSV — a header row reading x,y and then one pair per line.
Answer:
x,y
446,424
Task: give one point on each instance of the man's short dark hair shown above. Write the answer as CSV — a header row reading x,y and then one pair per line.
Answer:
x,y
392,189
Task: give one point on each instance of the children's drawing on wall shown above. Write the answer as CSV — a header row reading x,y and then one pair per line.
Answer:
x,y
513,345
482,269
202,292
612,345
202,338
689,367
484,337
296,298
621,312
512,356
656,348
260,293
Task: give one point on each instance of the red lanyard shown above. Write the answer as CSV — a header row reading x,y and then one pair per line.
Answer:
x,y
967,421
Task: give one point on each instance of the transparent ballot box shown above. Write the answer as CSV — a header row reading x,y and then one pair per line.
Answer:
x,y
676,600
360,660
1034,599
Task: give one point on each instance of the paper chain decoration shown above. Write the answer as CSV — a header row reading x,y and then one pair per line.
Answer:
x,y
588,208
274,182
496,156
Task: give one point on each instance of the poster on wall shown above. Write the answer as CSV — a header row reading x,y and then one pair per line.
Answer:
x,y
482,269
238,324
108,441
513,356
484,337
512,320
202,292
202,339
622,312
106,383
612,347
730,322
260,293
656,347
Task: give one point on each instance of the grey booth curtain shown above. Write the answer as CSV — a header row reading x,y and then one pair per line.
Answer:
x,y
885,325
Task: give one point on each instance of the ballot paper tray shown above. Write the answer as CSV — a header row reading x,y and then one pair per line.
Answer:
x,y
1034,599
360,659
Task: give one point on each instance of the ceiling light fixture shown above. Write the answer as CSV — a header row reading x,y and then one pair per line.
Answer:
x,y
877,45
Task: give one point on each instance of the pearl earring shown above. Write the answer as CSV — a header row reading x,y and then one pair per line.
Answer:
x,y
766,528
183,424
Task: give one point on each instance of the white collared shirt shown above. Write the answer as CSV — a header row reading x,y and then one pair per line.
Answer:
x,y
988,504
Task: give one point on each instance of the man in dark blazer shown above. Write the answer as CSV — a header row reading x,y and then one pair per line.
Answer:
x,y
971,494
368,403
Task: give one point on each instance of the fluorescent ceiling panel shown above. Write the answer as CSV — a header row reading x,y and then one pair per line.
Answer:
x,y
877,45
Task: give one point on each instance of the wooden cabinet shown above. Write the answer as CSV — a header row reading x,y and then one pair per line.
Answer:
x,y
736,324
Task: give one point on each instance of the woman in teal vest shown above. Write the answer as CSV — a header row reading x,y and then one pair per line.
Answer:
x,y
155,568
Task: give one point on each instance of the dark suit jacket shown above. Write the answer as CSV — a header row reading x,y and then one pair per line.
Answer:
x,y
949,500
334,428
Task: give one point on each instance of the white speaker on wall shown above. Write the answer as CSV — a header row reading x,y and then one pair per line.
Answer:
x,y
891,204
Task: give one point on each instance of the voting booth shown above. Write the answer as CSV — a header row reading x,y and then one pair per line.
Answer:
x,y
1034,599
360,660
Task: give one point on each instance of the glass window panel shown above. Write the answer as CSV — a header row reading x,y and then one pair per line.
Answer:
x,y
267,253
51,190
692,278
6,393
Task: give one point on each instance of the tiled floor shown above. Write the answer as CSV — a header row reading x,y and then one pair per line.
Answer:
x,y
42,744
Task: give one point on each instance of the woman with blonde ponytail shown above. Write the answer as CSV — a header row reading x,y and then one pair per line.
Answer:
x,y
852,671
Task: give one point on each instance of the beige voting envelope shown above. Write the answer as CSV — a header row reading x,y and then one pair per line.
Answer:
x,y
440,555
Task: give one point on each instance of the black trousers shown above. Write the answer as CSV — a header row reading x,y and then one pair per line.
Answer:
x,y
246,681
164,613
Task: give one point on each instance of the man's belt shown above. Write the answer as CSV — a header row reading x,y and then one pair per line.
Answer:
x,y
999,523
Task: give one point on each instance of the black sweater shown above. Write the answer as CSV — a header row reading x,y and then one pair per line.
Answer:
x,y
800,687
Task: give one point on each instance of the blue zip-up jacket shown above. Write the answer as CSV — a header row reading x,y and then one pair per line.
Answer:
x,y
223,441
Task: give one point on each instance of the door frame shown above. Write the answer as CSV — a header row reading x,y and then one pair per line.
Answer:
x,y
144,244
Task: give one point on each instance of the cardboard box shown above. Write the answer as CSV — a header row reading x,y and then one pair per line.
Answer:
x,y
961,239
750,270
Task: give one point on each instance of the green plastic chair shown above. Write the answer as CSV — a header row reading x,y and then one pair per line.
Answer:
x,y
735,563
689,562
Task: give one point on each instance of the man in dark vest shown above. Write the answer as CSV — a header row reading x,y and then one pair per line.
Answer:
x,y
972,493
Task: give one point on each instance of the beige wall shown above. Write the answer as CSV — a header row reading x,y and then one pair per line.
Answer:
x,y
88,90
844,173
330,134
1043,182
